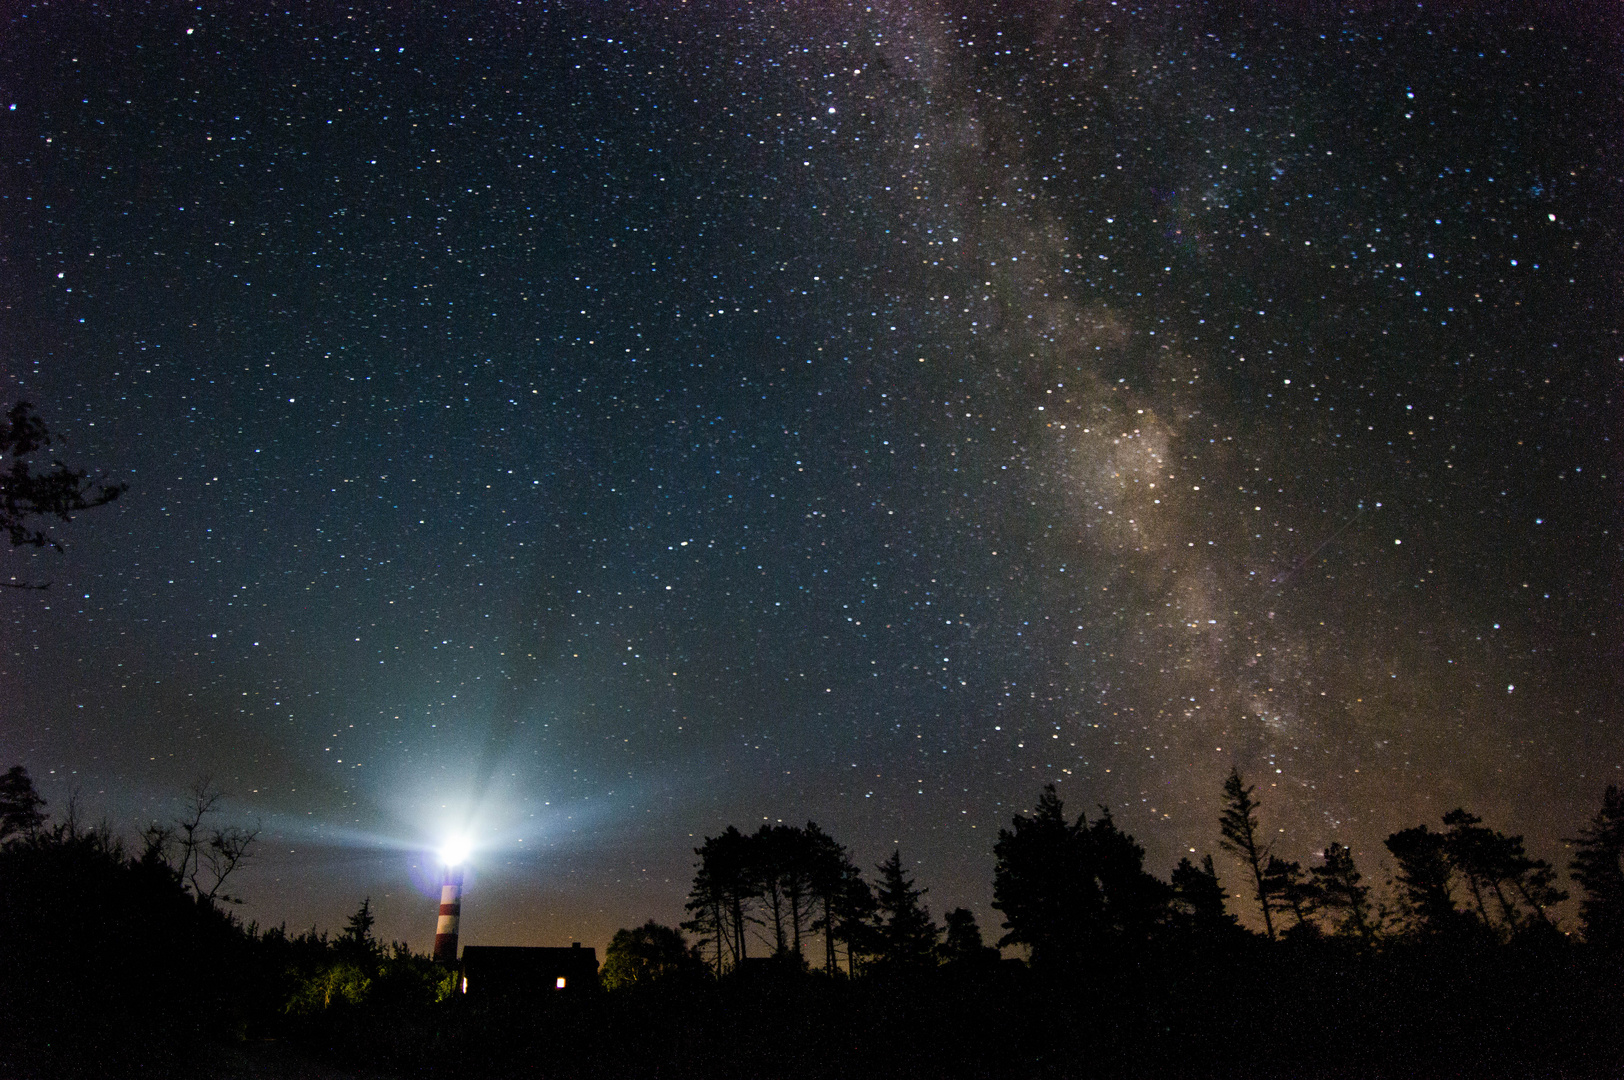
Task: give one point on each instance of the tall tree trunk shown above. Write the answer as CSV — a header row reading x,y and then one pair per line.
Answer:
x,y
777,899
739,950
829,960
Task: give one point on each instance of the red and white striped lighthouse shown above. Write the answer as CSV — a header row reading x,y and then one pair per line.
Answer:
x,y
445,930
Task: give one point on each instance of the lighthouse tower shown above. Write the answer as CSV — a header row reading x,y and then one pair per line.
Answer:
x,y
445,930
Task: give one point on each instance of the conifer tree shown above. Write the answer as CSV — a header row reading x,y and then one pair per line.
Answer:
x,y
1039,881
1067,889
20,803
829,871
1200,896
1339,893
1287,890
1424,880
28,496
1509,890
907,935
723,889
963,944
1242,838
1598,867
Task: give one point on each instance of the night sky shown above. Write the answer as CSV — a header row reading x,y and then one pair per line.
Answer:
x,y
595,424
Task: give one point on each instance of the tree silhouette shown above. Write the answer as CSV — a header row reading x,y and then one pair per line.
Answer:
x,y
962,943
201,855
907,936
1340,895
785,861
357,937
1424,876
1040,881
1287,889
798,883
1508,889
1598,867
646,955
20,803
1241,838
778,879
856,918
27,496
1199,896
724,886
1069,888
830,872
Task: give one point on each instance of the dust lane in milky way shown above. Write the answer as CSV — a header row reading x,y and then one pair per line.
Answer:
x,y
588,428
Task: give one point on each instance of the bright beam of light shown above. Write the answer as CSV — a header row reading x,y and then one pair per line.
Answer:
x,y
455,852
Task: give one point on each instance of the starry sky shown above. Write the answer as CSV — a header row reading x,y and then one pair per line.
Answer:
x,y
591,424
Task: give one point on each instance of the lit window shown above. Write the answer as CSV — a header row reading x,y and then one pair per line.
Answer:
x,y
561,982
465,984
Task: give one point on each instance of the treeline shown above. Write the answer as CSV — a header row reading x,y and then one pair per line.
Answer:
x,y
796,962
128,960
1072,891
799,894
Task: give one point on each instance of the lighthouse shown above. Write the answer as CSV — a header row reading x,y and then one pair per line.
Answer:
x,y
445,929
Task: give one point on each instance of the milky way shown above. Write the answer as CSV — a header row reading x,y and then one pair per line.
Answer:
x,y
594,425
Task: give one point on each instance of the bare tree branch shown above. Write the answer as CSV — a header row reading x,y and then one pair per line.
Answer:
x,y
200,855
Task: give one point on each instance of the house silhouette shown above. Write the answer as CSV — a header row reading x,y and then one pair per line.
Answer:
x,y
510,971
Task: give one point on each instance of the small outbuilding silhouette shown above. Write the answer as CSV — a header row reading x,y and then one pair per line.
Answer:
x,y
510,971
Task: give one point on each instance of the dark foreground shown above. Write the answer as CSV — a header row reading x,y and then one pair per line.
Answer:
x,y
1256,1012
113,968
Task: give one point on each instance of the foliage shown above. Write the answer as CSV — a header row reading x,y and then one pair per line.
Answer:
x,y
357,937
1509,891
1238,825
723,888
113,942
1287,890
962,943
1424,880
21,812
336,985
1069,889
1199,898
646,955
1598,867
27,495
906,936
324,979
146,971
793,883
1340,896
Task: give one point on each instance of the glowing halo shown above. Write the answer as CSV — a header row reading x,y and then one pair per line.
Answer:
x,y
455,851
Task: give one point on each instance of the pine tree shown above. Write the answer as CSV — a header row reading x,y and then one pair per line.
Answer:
x,y
1068,889
856,919
27,496
963,944
907,936
1288,890
1242,839
1509,890
357,942
725,886
1338,892
1424,880
829,868
20,803
1200,896
1040,884
1598,867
